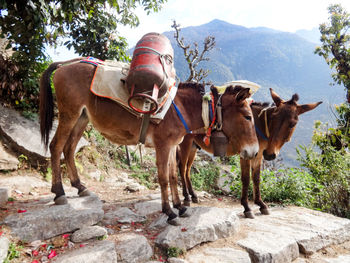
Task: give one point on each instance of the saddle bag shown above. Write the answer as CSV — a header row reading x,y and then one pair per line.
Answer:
x,y
152,70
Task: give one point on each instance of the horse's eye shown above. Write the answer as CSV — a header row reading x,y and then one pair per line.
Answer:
x,y
249,118
292,125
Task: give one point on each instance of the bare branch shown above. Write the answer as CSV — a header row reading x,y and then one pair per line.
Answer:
x,y
192,55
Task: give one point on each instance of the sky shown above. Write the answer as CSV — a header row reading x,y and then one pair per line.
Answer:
x,y
283,15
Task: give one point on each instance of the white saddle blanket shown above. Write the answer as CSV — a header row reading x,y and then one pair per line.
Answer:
x,y
109,82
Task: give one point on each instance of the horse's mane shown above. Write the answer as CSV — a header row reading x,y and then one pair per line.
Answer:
x,y
233,89
194,85
262,104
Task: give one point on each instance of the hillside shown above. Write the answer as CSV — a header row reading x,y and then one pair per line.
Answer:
x,y
283,61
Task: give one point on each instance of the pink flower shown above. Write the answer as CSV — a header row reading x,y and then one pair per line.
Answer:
x,y
184,229
35,261
35,253
220,199
21,211
65,236
82,245
52,254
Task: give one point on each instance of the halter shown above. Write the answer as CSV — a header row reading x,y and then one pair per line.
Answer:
x,y
264,111
217,111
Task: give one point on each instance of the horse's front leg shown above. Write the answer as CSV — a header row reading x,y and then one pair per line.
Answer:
x,y
256,166
245,178
163,166
173,184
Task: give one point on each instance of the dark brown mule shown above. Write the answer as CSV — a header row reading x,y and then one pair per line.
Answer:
x,y
77,106
275,126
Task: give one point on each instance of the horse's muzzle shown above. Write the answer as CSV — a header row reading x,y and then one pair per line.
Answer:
x,y
269,157
250,152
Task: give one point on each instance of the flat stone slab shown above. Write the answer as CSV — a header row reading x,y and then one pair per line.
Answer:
x,y
223,255
340,259
101,251
281,236
205,224
3,196
148,207
133,248
122,215
51,220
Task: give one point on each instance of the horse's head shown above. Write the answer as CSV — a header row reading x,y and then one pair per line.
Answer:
x,y
238,121
282,122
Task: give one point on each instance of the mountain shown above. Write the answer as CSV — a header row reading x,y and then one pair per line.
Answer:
x,y
312,35
274,59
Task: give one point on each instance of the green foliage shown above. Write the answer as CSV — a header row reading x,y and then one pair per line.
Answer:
x,y
285,185
89,26
174,252
13,252
205,177
146,178
330,168
335,39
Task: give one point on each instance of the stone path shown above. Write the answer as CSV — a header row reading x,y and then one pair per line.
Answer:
x,y
210,234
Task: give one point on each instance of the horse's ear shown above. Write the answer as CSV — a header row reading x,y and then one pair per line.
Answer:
x,y
242,94
307,107
276,98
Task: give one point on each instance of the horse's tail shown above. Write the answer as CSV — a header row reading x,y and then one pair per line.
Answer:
x,y
46,106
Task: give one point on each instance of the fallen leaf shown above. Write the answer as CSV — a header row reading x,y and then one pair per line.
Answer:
x,y
52,254
220,199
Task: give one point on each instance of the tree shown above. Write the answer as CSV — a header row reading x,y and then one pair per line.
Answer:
x,y
193,56
335,48
90,27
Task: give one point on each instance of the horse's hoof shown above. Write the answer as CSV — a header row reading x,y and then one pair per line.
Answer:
x,y
85,192
62,200
185,212
187,203
249,214
195,200
264,211
174,222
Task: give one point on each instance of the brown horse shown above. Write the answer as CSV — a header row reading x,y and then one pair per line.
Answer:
x,y
77,106
274,125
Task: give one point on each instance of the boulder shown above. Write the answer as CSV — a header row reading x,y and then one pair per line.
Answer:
x,y
3,196
133,248
205,224
122,215
224,255
100,251
7,161
88,232
50,220
23,135
4,246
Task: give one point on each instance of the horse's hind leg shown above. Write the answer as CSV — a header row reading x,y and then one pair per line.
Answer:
x,y
69,152
173,184
188,174
65,126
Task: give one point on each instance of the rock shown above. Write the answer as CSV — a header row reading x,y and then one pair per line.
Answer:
x,y
23,135
205,224
340,259
47,221
3,196
24,184
280,236
96,175
123,215
101,251
148,207
134,187
176,260
224,255
224,180
265,247
87,232
4,247
133,248
7,161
